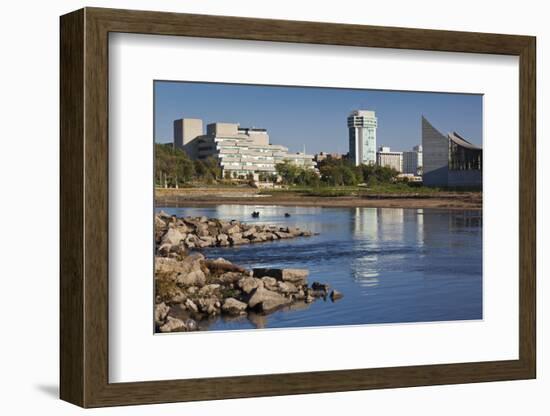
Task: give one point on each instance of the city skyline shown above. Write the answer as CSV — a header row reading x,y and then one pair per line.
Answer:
x,y
315,117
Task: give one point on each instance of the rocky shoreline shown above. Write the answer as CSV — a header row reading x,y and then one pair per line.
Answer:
x,y
190,289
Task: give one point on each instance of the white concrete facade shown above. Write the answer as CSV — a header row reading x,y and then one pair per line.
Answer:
x,y
242,151
362,126
385,157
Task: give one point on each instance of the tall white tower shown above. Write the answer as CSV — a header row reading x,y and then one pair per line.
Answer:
x,y
362,137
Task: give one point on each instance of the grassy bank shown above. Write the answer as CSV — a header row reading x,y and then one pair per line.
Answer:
x,y
394,189
392,196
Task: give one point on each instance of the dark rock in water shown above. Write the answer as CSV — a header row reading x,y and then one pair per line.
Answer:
x,y
191,325
255,214
335,295
320,286
287,214
296,276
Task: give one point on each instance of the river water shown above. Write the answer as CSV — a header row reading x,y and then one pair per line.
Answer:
x,y
393,265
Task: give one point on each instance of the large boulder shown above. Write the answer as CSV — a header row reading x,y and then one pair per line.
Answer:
x,y
173,237
286,287
296,276
232,229
206,241
159,223
233,306
173,325
202,230
196,277
266,301
230,277
269,282
248,284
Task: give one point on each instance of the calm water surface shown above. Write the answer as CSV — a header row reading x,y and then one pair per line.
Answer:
x,y
392,265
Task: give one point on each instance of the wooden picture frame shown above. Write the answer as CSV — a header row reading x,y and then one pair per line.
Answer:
x,y
84,207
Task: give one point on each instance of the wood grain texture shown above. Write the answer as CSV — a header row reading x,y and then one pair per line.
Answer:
x,y
84,205
71,100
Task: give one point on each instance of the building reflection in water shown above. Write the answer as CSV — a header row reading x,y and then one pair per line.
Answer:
x,y
465,219
387,231
364,267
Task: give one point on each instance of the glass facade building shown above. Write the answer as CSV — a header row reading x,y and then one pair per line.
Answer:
x,y
450,160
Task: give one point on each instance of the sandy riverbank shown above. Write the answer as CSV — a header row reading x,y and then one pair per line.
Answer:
x,y
248,196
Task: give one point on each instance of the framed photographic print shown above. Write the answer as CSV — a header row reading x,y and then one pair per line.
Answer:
x,y
255,207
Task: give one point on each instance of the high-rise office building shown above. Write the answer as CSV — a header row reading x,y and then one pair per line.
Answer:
x,y
412,161
362,137
185,132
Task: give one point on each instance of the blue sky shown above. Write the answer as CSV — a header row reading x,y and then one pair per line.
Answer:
x,y
316,117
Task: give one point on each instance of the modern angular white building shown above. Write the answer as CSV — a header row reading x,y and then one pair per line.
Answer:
x,y
239,151
362,126
451,160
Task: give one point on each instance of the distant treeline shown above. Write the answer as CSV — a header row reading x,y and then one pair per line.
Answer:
x,y
173,167
336,172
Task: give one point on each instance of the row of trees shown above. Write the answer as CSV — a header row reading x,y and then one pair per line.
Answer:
x,y
335,172
173,167
342,172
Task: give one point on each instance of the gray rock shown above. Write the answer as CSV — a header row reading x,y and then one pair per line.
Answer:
x,y
163,215
159,224
173,237
266,301
164,249
189,304
233,306
287,288
335,295
173,325
239,241
208,289
202,230
206,241
248,284
161,311
270,283
195,277
231,277
232,229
